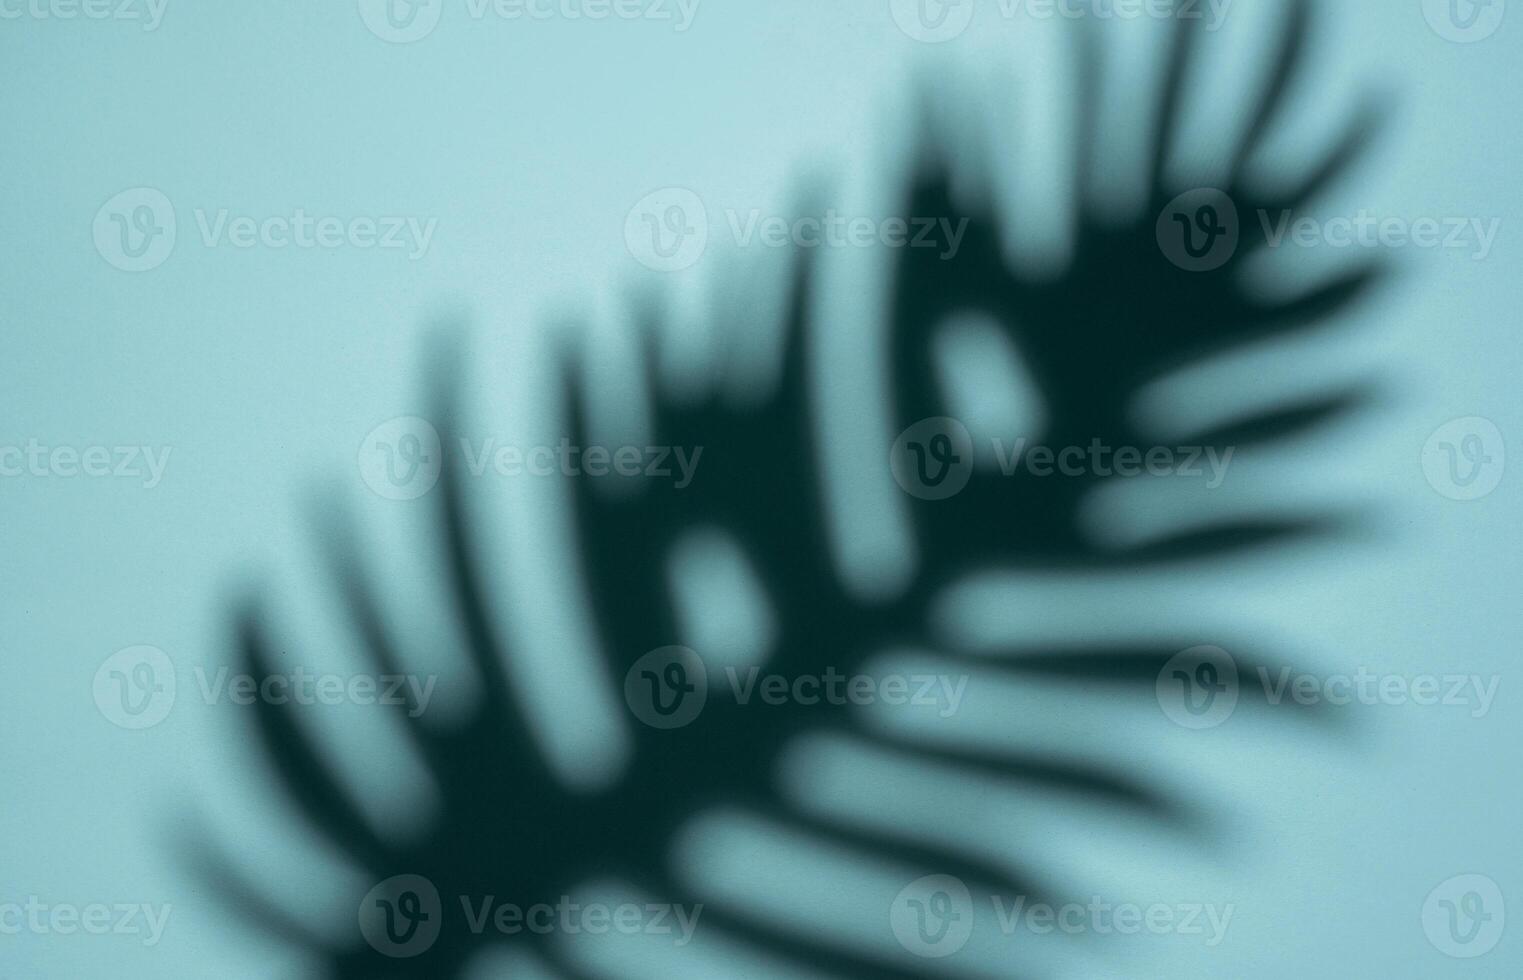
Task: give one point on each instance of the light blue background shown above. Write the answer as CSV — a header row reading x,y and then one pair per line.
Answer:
x,y
529,141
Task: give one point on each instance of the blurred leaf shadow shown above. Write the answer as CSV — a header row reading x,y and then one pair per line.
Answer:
x,y
1120,316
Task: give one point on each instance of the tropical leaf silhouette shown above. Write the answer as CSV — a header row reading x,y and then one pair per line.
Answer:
x,y
1119,317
